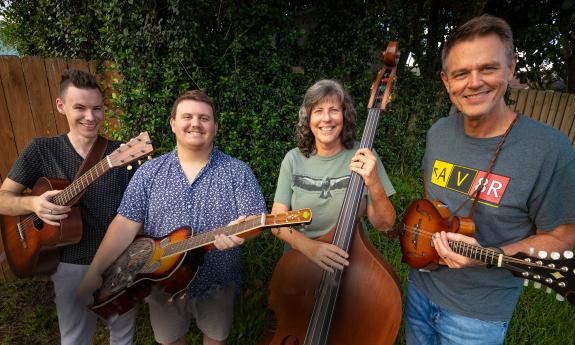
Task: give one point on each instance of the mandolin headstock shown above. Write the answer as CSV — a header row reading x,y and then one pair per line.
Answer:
x,y
556,273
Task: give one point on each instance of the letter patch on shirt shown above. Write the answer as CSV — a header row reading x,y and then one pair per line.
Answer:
x,y
466,180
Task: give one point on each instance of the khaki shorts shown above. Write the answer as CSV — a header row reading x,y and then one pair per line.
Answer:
x,y
213,313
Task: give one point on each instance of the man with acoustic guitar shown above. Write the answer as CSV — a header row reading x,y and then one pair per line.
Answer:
x,y
195,185
514,176
81,101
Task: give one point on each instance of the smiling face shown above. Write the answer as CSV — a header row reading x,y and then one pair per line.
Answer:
x,y
476,76
194,125
84,110
326,124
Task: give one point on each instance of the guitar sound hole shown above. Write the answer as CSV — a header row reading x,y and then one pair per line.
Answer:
x,y
38,223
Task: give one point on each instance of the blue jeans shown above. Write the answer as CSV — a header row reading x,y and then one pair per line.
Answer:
x,y
427,323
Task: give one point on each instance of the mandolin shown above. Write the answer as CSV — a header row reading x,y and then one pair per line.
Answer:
x,y
424,218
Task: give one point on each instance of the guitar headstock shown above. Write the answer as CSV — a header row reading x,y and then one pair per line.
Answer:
x,y
557,273
383,84
301,216
132,150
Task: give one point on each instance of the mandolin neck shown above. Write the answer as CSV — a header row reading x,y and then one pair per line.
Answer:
x,y
486,255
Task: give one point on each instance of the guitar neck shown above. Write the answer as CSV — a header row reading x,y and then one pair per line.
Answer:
x,y
65,197
251,223
205,238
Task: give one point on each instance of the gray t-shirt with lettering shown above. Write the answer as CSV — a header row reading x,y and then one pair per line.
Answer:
x,y
532,187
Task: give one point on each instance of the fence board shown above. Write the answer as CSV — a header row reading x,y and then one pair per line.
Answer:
x,y
538,105
79,64
561,110
568,115
8,149
546,107
41,106
553,109
54,70
529,101
19,105
520,104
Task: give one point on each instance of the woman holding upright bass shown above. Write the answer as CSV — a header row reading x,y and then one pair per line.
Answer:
x,y
318,287
316,174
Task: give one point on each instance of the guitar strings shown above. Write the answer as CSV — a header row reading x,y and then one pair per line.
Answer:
x,y
68,193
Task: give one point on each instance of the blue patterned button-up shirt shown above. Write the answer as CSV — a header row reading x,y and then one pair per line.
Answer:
x,y
160,197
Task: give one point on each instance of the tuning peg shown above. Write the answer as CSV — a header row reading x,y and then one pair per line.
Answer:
x,y
149,157
139,162
568,254
129,167
555,256
537,284
548,281
559,298
542,254
531,251
525,282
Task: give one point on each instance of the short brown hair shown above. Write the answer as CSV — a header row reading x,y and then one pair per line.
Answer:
x,y
318,92
194,95
78,78
480,26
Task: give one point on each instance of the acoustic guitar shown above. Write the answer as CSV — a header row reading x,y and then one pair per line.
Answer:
x,y
424,218
33,247
171,261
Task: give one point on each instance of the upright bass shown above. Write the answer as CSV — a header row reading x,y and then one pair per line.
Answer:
x,y
362,303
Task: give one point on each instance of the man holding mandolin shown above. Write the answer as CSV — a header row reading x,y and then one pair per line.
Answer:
x,y
81,101
513,176
195,185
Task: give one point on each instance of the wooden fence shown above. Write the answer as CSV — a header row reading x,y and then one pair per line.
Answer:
x,y
553,108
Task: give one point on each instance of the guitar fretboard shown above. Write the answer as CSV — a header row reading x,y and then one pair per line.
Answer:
x,y
76,187
204,238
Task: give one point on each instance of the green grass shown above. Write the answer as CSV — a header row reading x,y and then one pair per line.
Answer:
x,y
27,313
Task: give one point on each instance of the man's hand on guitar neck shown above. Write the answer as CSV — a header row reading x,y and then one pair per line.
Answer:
x,y
223,242
452,259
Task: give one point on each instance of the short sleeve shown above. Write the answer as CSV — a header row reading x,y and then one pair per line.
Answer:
x,y
284,189
554,207
384,178
26,170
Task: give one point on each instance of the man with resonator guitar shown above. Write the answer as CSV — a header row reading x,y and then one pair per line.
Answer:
x,y
511,176
195,187
42,233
